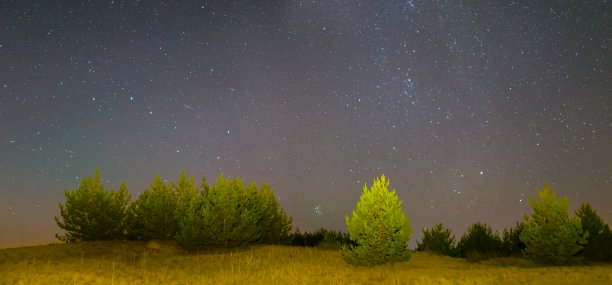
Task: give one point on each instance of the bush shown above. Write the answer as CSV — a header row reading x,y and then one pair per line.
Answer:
x,y
599,247
550,236
92,213
511,242
154,212
479,243
438,240
379,229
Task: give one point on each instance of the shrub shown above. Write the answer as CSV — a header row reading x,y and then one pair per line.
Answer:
x,y
550,236
379,228
479,243
437,240
511,243
599,247
92,213
155,212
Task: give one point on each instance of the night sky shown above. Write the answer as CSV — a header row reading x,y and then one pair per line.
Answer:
x,y
467,107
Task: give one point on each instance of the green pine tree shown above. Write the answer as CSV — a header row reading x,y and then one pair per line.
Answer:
x,y
194,221
221,208
154,212
599,247
479,243
437,240
549,235
92,213
275,224
379,229
246,229
511,241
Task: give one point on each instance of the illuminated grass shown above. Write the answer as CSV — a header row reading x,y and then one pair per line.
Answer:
x,y
165,262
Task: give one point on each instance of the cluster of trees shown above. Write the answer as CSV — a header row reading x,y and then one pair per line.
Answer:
x,y
226,214
479,242
548,236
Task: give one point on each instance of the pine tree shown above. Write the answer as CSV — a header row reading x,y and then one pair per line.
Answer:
x,y
92,213
193,215
229,215
221,208
479,243
378,227
511,241
275,223
549,235
249,217
437,240
599,247
154,212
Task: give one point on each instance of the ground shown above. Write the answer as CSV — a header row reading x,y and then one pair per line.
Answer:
x,y
165,262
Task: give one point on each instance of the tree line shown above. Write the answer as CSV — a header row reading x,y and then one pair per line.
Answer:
x,y
226,214
379,232
548,236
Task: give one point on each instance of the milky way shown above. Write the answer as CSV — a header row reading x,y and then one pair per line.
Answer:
x,y
467,108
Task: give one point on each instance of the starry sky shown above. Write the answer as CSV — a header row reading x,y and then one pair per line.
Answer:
x,y
468,107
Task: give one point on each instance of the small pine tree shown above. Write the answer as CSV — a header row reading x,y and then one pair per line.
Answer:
x,y
154,212
479,243
247,227
194,215
92,213
550,236
379,228
599,247
437,240
275,224
511,242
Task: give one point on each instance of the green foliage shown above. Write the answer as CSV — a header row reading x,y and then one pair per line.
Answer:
x,y
229,215
599,247
92,213
237,211
322,238
194,223
511,243
379,228
437,240
154,212
479,243
550,236
276,224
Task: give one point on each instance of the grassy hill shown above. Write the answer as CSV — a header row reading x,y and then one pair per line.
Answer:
x,y
165,262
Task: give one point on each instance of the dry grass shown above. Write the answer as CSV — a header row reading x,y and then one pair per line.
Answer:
x,y
164,262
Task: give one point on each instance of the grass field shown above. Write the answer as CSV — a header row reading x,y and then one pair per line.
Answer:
x,y
165,262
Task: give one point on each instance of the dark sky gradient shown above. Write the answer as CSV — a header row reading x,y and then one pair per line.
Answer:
x,y
468,107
